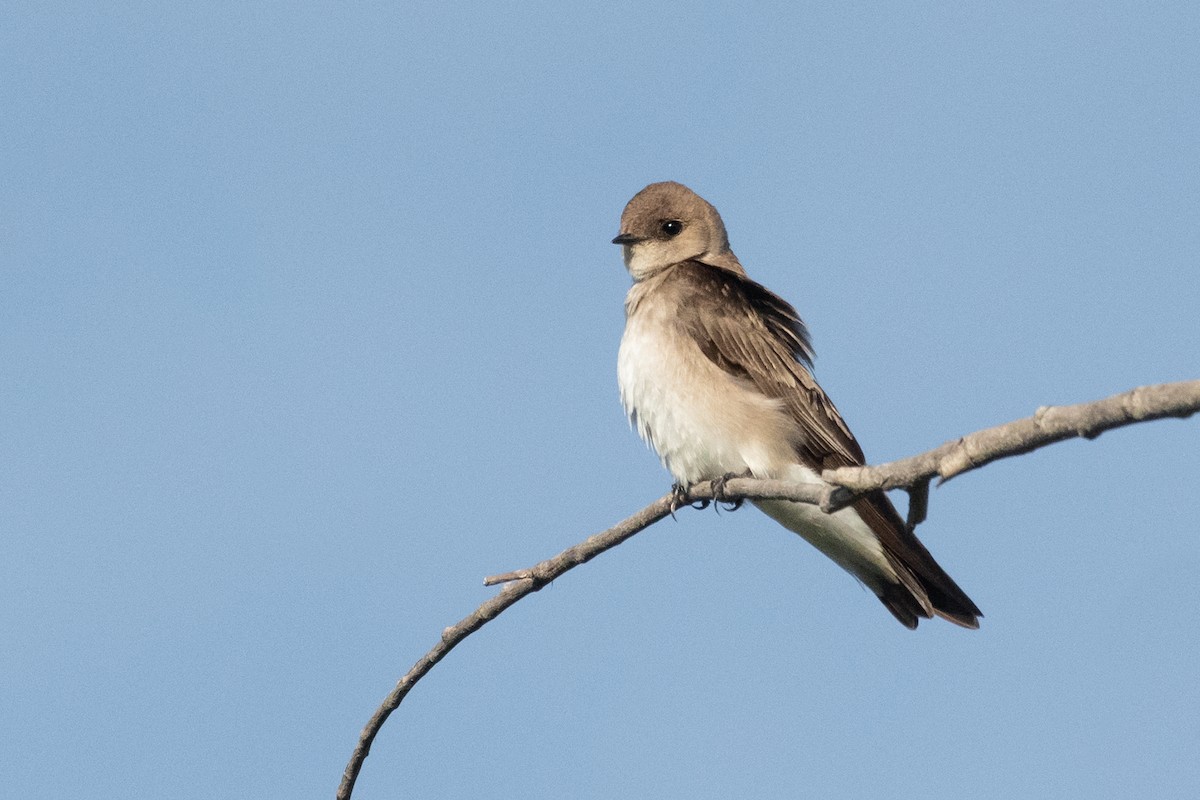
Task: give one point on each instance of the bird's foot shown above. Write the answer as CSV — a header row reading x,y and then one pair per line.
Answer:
x,y
719,491
681,496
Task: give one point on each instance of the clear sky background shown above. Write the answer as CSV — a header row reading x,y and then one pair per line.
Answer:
x,y
309,320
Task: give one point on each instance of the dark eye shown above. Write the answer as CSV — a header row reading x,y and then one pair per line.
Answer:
x,y
672,227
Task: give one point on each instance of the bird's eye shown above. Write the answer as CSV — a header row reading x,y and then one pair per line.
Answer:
x,y
672,227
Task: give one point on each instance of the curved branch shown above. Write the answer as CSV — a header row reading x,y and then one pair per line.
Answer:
x,y
523,583
842,486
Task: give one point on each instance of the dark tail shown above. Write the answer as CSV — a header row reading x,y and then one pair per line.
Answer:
x,y
924,590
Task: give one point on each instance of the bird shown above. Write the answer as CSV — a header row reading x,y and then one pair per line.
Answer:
x,y
715,374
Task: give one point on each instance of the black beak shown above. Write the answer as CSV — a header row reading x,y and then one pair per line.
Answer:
x,y
627,238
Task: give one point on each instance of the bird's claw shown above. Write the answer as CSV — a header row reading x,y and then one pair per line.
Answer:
x,y
719,492
681,496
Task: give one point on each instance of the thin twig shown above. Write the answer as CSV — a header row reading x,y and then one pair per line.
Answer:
x,y
918,503
842,487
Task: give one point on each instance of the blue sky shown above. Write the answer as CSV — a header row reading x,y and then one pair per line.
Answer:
x,y
309,318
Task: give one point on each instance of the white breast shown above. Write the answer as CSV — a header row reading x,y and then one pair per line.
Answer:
x,y
700,420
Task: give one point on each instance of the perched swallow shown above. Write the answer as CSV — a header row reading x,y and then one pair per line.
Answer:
x,y
714,371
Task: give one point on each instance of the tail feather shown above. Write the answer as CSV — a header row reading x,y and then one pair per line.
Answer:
x,y
905,605
913,599
870,541
925,589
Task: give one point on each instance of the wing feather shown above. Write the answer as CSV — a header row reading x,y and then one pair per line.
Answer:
x,y
758,337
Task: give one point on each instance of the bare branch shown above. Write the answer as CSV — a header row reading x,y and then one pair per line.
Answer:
x,y
529,581
1048,425
842,487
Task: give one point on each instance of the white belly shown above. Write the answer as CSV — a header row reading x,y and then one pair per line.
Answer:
x,y
704,424
701,421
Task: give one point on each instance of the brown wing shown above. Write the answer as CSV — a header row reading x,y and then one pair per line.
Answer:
x,y
755,335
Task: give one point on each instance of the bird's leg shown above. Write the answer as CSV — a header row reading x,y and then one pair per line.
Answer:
x,y
719,490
